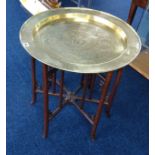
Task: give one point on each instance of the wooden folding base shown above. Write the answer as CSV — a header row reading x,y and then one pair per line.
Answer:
x,y
68,97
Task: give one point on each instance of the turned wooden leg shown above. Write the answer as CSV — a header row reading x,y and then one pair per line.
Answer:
x,y
34,82
54,81
82,78
113,91
101,102
92,84
45,91
85,84
61,87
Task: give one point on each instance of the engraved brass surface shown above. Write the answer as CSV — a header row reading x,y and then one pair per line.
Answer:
x,y
80,40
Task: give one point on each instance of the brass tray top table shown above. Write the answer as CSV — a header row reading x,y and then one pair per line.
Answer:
x,y
83,41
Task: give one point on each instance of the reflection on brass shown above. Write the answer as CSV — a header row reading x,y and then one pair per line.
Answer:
x,y
80,40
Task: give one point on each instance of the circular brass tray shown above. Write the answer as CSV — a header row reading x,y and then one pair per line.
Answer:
x,y
80,40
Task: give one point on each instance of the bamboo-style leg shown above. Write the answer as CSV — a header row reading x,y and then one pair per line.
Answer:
x,y
89,80
113,91
34,82
101,102
82,79
85,83
54,81
45,91
92,84
61,87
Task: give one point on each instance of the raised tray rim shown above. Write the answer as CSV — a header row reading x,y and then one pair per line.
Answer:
x,y
84,69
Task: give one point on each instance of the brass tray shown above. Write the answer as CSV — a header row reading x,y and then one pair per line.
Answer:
x,y
80,40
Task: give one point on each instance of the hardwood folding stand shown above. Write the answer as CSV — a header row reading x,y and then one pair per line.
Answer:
x,y
68,97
